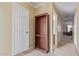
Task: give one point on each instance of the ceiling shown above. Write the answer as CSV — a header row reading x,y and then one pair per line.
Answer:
x,y
37,4
65,9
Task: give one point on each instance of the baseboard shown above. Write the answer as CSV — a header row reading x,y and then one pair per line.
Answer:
x,y
42,50
76,49
24,52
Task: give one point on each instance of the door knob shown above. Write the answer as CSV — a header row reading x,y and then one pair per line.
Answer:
x,y
26,32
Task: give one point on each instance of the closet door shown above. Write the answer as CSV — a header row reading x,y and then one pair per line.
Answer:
x,y
41,35
24,29
20,28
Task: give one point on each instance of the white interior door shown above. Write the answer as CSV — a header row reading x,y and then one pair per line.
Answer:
x,y
20,29
24,34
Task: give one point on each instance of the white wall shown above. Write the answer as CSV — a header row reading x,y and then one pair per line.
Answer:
x,y
76,30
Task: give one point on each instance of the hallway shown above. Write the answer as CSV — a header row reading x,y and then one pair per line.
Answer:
x,y
67,48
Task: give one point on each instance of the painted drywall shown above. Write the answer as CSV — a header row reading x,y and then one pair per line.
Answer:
x,y
54,27
76,29
47,8
5,28
57,28
59,31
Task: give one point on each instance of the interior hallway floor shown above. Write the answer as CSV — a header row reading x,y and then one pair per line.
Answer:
x,y
65,50
67,47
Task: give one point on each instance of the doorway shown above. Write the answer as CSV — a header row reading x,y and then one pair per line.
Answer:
x,y
41,32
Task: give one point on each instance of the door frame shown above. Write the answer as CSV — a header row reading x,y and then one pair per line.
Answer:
x,y
47,21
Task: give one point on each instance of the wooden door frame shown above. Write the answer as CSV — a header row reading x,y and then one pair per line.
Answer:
x,y
47,22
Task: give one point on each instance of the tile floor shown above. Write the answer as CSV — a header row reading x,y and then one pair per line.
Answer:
x,y
67,49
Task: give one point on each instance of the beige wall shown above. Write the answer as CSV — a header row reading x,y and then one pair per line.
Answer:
x,y
47,8
5,28
59,30
58,25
